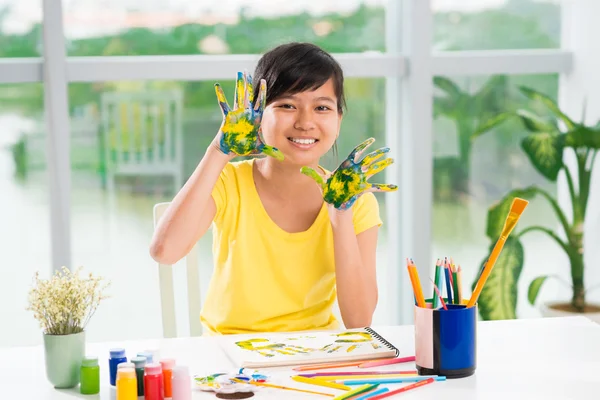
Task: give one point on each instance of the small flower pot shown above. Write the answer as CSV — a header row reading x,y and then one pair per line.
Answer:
x,y
63,355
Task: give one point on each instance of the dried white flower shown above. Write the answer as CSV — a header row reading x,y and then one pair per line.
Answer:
x,y
65,303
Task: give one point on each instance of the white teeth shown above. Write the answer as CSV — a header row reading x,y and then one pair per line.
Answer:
x,y
303,141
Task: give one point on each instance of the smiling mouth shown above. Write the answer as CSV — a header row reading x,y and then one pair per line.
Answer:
x,y
303,141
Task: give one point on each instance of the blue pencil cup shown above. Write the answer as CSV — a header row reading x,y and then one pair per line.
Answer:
x,y
446,341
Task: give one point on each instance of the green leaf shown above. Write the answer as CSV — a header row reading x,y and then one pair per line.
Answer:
x,y
489,124
545,151
498,298
498,212
534,288
443,106
447,86
536,124
583,137
549,103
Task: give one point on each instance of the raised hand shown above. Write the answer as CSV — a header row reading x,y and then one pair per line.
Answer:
x,y
239,133
349,181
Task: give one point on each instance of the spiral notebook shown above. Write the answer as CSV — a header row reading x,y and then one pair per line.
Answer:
x,y
281,349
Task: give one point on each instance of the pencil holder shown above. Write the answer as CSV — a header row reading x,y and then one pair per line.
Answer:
x,y
446,340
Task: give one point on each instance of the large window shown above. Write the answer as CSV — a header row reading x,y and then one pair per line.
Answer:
x,y
496,24
25,227
139,27
20,28
120,127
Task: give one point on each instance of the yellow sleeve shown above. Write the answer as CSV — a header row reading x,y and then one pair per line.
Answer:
x,y
365,213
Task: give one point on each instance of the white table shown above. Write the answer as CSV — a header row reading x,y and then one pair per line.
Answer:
x,y
552,358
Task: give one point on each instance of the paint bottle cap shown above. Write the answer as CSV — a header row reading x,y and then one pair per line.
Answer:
x,y
139,362
90,362
153,369
117,353
125,365
147,354
167,363
128,373
181,372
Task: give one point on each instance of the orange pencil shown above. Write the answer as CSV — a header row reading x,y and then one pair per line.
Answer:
x,y
516,209
416,284
313,367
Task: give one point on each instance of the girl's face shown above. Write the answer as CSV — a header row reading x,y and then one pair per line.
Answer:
x,y
304,125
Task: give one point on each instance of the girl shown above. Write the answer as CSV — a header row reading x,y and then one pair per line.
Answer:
x,y
283,246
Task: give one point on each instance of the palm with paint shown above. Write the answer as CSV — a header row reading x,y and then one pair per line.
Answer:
x,y
349,181
239,133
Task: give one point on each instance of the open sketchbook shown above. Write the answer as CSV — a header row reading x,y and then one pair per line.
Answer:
x,y
282,349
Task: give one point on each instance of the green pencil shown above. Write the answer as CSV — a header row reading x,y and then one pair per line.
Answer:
x,y
455,288
436,280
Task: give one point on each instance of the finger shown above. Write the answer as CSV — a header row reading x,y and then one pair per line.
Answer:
x,y
249,92
371,157
239,91
348,204
261,101
382,187
358,150
272,151
313,174
222,99
377,167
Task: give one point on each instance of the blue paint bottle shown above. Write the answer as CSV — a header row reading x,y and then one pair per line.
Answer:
x,y
117,356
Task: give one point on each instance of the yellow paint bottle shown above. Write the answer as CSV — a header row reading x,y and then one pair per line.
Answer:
x,y
126,384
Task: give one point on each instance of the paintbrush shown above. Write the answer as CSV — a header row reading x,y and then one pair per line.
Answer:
x,y
516,209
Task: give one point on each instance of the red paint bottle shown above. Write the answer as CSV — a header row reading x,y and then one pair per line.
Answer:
x,y
154,387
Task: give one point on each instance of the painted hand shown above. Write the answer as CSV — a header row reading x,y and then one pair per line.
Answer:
x,y
349,181
239,133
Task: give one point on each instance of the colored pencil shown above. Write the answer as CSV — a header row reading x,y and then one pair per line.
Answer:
x,y
358,390
353,377
459,285
269,385
319,382
383,381
416,284
439,294
448,283
371,394
455,287
402,389
388,361
314,367
346,373
437,278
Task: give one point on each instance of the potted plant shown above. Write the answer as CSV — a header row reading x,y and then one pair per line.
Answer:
x,y
548,139
63,305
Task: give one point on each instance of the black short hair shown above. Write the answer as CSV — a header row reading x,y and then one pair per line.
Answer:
x,y
295,67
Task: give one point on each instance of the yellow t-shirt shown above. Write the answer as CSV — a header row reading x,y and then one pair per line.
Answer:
x,y
264,278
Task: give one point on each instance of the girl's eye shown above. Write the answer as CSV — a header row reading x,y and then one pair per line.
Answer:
x,y
323,108
286,106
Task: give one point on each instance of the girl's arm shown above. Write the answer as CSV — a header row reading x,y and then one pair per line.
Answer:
x,y
355,260
191,212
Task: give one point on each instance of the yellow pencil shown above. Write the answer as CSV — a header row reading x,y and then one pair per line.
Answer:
x,y
319,382
358,390
418,288
516,209
279,387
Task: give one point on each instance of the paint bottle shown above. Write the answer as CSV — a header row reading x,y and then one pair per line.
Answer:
x,y
154,388
148,355
117,356
182,383
140,363
125,365
90,376
167,365
126,384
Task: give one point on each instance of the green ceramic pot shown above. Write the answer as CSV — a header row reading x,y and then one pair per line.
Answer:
x,y
64,354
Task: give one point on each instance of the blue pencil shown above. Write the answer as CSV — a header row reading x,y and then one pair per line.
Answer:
x,y
373,394
448,285
383,381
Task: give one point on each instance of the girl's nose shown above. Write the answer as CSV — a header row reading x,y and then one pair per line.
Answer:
x,y
304,122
